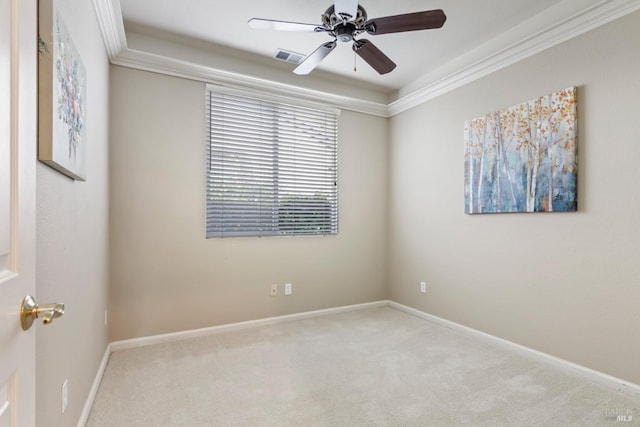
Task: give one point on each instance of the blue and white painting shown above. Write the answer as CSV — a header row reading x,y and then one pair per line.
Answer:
x,y
523,158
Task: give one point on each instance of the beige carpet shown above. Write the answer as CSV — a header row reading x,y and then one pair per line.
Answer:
x,y
374,367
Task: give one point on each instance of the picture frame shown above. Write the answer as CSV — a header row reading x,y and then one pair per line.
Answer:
x,y
524,158
62,95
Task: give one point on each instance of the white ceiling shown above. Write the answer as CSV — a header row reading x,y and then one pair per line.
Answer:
x,y
471,24
210,41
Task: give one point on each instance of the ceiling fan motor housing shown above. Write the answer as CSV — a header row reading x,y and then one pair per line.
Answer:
x,y
330,19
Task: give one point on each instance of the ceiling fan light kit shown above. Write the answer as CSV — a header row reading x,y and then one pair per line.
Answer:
x,y
344,21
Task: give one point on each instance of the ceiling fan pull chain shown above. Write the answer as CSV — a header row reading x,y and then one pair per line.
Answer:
x,y
355,58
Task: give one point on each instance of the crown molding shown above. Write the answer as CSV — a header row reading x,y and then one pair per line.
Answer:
x,y
111,23
546,38
178,68
109,15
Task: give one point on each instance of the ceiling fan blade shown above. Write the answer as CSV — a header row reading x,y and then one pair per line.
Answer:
x,y
268,24
312,61
373,56
346,9
408,22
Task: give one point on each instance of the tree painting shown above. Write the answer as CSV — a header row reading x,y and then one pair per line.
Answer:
x,y
523,158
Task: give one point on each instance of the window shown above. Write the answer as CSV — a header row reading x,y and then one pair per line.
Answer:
x,y
271,169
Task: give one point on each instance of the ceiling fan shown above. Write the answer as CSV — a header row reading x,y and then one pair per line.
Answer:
x,y
346,19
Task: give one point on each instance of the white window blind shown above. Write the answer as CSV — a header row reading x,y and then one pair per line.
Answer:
x,y
272,167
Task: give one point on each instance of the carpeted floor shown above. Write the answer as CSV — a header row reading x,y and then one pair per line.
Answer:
x,y
373,367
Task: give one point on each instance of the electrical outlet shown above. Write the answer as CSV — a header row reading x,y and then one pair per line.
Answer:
x,y
274,290
288,288
65,395
105,317
423,287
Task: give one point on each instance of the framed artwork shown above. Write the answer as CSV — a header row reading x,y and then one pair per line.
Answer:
x,y
523,158
62,95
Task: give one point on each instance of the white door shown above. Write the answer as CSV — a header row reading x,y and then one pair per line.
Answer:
x,y
18,92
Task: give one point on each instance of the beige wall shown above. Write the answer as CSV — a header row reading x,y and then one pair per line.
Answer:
x,y
566,283
165,276
72,244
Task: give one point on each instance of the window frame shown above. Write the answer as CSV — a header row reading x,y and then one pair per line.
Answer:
x,y
294,211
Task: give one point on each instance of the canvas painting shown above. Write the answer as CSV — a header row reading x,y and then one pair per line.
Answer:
x,y
523,158
62,96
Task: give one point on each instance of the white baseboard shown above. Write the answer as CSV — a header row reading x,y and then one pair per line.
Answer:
x,y
588,374
177,336
194,333
84,416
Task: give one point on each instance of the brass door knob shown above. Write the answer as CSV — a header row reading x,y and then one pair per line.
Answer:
x,y
29,311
